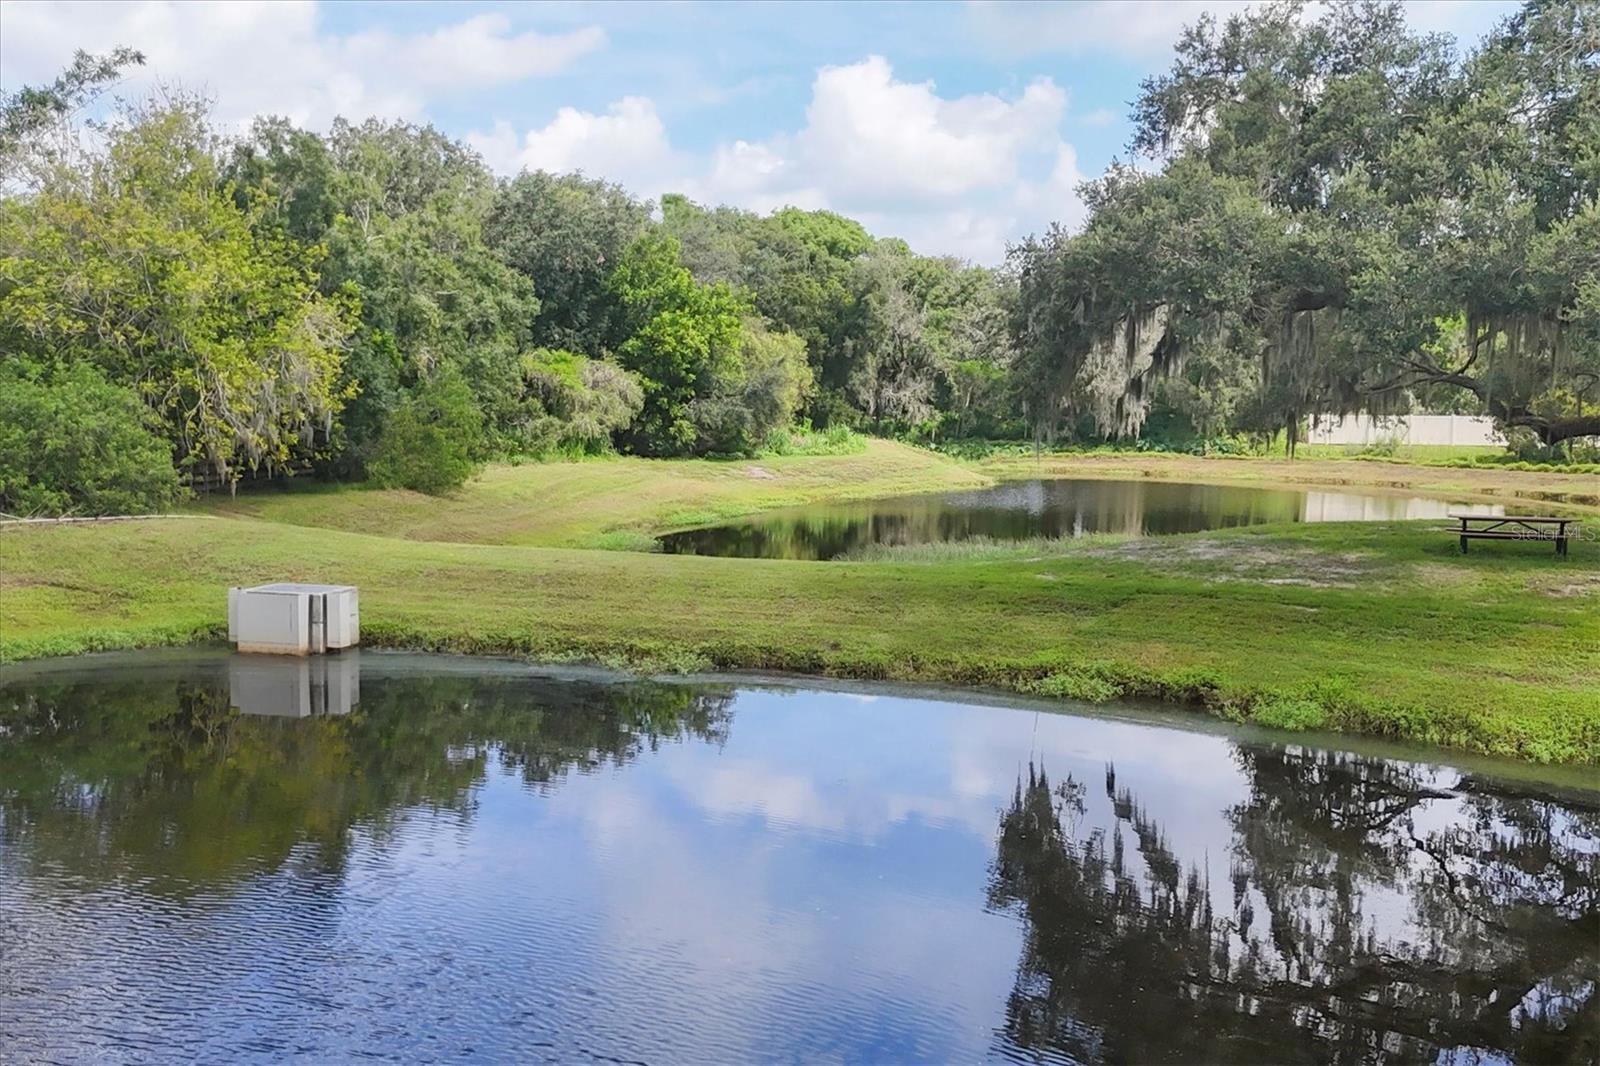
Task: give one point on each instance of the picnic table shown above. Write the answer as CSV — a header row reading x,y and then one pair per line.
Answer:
x,y
1514,527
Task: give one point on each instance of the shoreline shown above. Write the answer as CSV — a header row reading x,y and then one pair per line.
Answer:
x,y
390,662
1369,628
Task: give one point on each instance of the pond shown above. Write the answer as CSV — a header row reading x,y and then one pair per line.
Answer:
x,y
410,858
1047,507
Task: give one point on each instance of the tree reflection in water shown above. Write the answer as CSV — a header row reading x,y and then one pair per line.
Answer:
x,y
1374,911
160,782
1329,907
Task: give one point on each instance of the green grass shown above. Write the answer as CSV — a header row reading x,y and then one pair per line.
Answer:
x,y
606,503
1369,628
1417,453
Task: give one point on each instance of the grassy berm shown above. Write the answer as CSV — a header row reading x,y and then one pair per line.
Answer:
x,y
1377,628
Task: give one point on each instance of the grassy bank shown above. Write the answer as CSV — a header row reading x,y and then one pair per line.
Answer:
x,y
1528,491
1405,453
622,503
604,503
1375,628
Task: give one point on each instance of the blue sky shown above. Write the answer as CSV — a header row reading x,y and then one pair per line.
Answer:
x,y
957,126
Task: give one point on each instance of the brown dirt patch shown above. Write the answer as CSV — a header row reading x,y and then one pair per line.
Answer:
x,y
1235,560
1566,585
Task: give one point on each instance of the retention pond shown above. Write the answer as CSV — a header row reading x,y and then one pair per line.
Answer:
x,y
206,857
1046,507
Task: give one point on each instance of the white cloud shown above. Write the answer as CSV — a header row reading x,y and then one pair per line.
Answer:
x,y
627,144
759,178
1056,197
953,175
257,57
878,139
472,54
950,174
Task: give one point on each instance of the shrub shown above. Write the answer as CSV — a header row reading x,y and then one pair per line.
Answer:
x,y
575,403
71,442
754,396
1089,683
433,441
1288,712
837,439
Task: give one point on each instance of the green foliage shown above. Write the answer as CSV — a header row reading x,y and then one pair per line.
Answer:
x,y
72,443
402,211
433,442
681,337
1089,683
35,109
753,395
835,440
1288,712
1160,273
798,269
1346,218
575,403
141,263
567,234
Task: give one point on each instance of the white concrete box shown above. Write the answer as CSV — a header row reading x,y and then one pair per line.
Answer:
x,y
288,618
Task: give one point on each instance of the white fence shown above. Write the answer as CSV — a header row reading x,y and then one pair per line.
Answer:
x,y
1406,429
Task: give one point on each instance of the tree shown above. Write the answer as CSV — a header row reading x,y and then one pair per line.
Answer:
x,y
433,441
1407,189
401,210
895,378
681,336
71,442
137,259
566,235
799,272
35,110
1167,264
1524,201
576,404
1336,191
754,394
966,314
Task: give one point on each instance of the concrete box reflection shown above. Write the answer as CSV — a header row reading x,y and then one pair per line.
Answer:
x,y
294,687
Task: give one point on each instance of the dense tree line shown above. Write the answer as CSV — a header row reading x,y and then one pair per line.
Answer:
x,y
1346,216
1349,216
371,302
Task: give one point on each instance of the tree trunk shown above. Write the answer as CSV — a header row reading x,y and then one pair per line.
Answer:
x,y
1551,431
1555,430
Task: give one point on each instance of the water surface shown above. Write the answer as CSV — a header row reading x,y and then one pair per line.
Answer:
x,y
413,858
1048,507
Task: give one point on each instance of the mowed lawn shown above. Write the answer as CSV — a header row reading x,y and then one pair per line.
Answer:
x,y
1371,628
613,503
